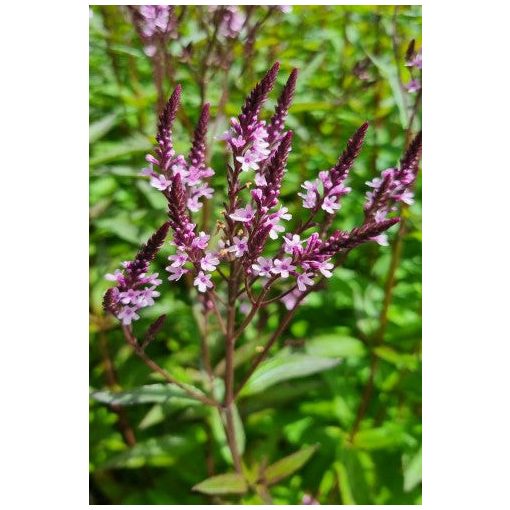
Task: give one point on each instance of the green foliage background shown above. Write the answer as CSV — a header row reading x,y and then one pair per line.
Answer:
x,y
178,445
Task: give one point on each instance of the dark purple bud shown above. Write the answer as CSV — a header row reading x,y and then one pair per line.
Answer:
x,y
198,147
177,204
340,171
275,170
165,150
341,241
258,95
256,243
412,155
153,330
277,122
148,251
109,302
410,51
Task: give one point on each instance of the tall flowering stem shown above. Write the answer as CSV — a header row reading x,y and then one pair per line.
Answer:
x,y
237,269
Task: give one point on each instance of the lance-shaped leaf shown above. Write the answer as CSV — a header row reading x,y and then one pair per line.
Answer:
x,y
148,394
283,368
230,483
288,465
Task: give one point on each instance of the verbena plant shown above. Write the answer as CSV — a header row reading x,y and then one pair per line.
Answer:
x,y
247,262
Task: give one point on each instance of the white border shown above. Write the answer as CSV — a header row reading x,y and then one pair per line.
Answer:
x,y
44,376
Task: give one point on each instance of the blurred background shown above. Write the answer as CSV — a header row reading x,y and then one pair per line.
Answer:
x,y
364,413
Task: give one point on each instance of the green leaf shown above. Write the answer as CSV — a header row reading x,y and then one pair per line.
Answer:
x,y
288,465
99,128
332,346
283,368
230,483
344,485
158,451
121,226
390,72
135,145
400,360
412,472
383,437
148,394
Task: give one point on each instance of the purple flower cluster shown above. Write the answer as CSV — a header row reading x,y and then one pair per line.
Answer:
x,y
192,171
154,24
325,191
135,288
393,186
263,148
232,20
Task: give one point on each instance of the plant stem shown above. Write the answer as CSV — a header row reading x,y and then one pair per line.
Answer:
x,y
125,428
263,354
365,399
206,356
229,367
133,342
231,437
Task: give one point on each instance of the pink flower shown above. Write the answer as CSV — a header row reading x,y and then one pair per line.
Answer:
x,y
413,86
175,272
153,279
209,262
243,214
310,185
309,199
238,142
146,296
283,267
257,195
160,182
114,277
283,214
407,197
179,259
130,296
324,268
128,314
330,205
381,239
148,172
201,241
204,191
309,500
291,243
179,168
239,247
290,299
203,282
273,233
374,183
151,159
260,180
325,178
264,267
380,215
248,161
193,204
303,280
